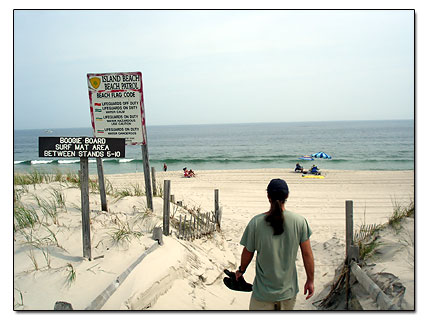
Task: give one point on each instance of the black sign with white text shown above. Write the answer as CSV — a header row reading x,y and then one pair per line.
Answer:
x,y
78,147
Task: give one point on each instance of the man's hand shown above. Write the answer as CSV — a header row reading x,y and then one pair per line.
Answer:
x,y
246,258
238,275
309,287
308,262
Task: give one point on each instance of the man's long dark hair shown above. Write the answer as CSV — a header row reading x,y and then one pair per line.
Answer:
x,y
275,216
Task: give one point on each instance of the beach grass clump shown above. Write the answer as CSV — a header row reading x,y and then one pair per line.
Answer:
x,y
46,255
367,235
93,185
73,179
71,274
58,176
36,177
367,239
138,190
133,190
122,232
120,194
38,241
401,212
366,231
33,259
145,220
18,192
109,187
23,216
59,198
367,249
32,178
48,208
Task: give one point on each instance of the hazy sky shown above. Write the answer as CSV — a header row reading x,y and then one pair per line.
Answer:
x,y
217,66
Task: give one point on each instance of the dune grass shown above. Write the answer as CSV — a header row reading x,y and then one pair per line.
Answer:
x,y
71,274
59,198
132,190
36,177
24,216
367,235
48,208
399,213
122,232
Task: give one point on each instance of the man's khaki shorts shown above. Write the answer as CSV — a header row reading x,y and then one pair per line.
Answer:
x,y
285,305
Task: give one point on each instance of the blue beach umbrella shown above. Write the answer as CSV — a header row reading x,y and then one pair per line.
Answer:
x,y
321,155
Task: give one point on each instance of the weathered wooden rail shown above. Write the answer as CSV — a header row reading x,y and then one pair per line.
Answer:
x,y
352,259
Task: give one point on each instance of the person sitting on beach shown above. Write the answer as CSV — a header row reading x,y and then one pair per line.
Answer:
x,y
185,172
276,236
314,170
298,168
191,173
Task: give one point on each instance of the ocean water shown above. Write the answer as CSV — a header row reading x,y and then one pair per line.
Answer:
x,y
356,145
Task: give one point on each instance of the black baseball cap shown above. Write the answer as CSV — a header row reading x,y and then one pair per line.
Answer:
x,y
278,185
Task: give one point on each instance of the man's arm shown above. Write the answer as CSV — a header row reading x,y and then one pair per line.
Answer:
x,y
308,262
246,258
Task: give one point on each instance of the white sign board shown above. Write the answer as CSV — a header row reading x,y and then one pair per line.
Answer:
x,y
117,106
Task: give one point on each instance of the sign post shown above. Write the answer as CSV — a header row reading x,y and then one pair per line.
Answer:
x,y
84,148
117,111
85,208
146,170
102,188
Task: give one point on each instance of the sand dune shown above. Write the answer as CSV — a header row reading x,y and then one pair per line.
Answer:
x,y
187,275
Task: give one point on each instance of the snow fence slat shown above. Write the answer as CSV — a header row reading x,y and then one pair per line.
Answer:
x,y
100,300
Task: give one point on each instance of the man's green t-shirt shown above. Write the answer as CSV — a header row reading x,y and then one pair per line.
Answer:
x,y
276,274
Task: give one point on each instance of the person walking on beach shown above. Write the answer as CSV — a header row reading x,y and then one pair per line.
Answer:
x,y
276,236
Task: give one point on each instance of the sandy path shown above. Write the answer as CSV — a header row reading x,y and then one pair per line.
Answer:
x,y
242,195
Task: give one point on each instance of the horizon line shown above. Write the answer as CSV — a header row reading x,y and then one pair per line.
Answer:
x,y
233,123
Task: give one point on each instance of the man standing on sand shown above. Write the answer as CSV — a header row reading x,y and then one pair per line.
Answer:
x,y
276,236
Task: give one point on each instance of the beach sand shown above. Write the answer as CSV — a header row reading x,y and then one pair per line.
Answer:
x,y
187,275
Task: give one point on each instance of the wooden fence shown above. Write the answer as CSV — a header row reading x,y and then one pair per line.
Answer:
x,y
195,225
199,225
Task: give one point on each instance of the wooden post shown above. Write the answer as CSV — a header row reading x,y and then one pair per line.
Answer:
x,y
349,229
179,229
85,208
216,204
157,235
194,227
349,244
166,191
155,193
101,178
190,233
172,198
198,225
147,182
184,227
